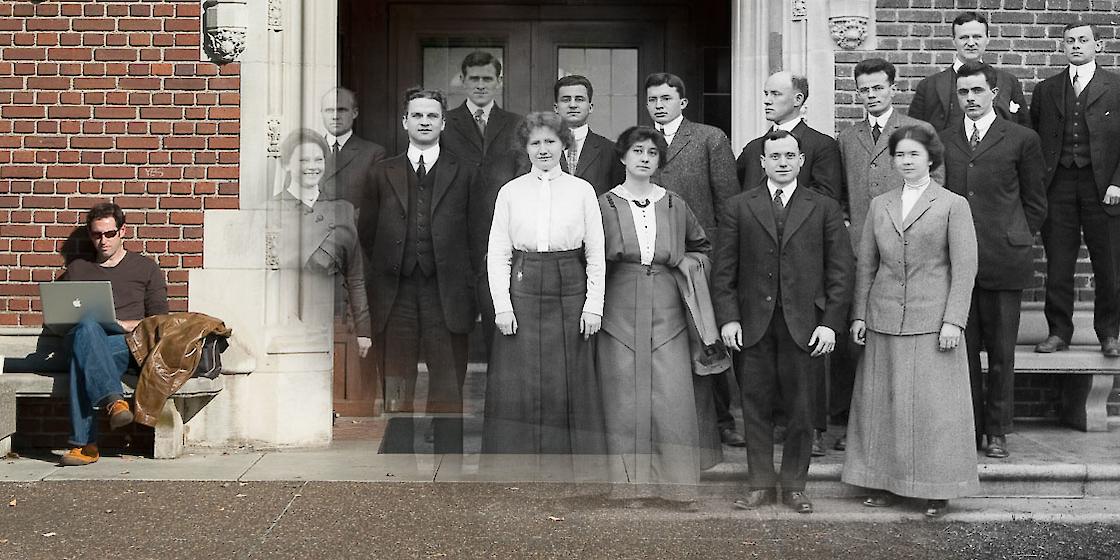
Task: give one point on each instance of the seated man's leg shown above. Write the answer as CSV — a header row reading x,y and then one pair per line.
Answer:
x,y
97,361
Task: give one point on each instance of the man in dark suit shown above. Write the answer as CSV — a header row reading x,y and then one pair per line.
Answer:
x,y
700,167
478,127
351,156
935,99
997,166
591,157
782,285
783,96
414,231
1079,143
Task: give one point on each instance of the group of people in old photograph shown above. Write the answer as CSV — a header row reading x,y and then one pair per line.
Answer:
x,y
625,287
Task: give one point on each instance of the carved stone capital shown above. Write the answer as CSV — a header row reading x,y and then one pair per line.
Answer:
x,y
225,44
274,137
275,15
800,10
849,32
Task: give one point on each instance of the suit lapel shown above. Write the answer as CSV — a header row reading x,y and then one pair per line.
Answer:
x,y
494,125
894,209
863,136
587,155
464,122
920,206
1058,95
681,139
894,123
759,203
445,172
1097,88
993,137
944,86
398,173
800,206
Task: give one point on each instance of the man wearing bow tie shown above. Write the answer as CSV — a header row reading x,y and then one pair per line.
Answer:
x,y
1077,113
700,167
413,229
351,156
998,167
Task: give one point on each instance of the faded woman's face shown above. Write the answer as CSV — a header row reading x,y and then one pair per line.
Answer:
x,y
544,148
911,159
307,165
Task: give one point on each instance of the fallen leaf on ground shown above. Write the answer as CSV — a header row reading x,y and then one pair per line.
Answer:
x,y
554,518
12,503
108,511
240,495
50,534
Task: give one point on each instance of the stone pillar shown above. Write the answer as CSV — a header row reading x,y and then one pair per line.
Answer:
x,y
769,36
288,62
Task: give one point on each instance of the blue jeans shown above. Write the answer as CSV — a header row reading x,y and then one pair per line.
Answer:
x,y
97,361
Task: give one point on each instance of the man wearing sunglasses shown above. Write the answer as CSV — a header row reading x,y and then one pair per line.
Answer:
x,y
98,358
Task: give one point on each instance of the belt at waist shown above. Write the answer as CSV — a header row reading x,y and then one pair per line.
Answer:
x,y
655,268
548,255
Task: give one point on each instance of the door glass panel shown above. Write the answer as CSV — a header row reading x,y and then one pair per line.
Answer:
x,y
441,69
614,73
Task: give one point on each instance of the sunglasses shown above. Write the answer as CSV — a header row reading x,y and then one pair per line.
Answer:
x,y
95,235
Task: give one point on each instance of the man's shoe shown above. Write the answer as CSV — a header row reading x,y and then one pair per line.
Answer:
x,y
758,498
1110,347
997,447
936,508
731,438
1053,343
879,499
119,414
798,501
842,443
80,456
818,444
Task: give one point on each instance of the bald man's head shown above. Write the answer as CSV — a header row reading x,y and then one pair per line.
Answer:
x,y
783,95
339,108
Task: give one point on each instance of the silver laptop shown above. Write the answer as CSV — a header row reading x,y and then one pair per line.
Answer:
x,y
65,304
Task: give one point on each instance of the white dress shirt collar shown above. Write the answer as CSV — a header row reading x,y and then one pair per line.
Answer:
x,y
984,123
331,139
670,128
789,126
787,191
957,63
911,192
654,195
551,174
1085,72
485,110
431,155
881,120
307,196
579,133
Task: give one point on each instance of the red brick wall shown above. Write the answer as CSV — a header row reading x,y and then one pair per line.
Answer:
x,y
1025,40
108,101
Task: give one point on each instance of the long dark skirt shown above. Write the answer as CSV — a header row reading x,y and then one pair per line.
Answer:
x,y
542,391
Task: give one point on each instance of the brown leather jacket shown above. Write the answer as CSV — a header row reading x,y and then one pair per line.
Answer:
x,y
168,348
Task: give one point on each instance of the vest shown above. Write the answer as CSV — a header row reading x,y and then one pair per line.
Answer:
x,y
1075,135
780,224
418,237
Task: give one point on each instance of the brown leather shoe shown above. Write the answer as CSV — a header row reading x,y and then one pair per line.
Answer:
x,y
1110,347
758,498
1053,343
997,447
798,501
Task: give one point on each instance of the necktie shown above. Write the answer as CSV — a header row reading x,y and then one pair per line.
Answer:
x,y
335,148
975,138
778,199
875,132
478,120
1077,85
573,159
421,171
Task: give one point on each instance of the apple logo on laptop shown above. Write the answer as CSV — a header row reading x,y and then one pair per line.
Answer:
x,y
77,303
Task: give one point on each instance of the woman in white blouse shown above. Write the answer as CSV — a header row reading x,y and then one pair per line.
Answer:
x,y
645,366
545,267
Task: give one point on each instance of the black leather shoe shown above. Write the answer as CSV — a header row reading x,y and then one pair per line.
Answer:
x,y
842,443
818,444
1110,347
798,501
997,447
1053,343
732,438
879,499
936,508
758,498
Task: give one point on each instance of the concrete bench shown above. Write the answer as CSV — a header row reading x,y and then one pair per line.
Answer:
x,y
1087,376
34,365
